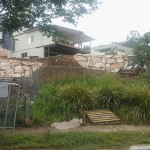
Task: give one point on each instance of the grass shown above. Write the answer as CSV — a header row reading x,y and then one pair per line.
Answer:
x,y
73,140
68,97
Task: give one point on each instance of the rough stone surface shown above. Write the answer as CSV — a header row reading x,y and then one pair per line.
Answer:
x,y
97,59
117,65
108,56
14,68
74,123
5,65
19,69
107,65
104,60
100,65
111,61
3,52
107,62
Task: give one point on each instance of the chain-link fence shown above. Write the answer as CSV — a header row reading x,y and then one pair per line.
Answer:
x,y
30,85
17,94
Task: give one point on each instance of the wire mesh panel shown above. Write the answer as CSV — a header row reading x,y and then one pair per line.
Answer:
x,y
30,86
9,95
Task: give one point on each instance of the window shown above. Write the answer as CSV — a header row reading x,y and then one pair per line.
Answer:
x,y
24,55
46,52
30,39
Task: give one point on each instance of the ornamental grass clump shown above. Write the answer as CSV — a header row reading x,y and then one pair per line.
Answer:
x,y
74,98
137,97
110,92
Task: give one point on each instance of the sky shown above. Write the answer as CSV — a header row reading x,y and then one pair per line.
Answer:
x,y
114,20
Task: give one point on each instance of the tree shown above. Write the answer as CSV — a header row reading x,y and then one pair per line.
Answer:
x,y
142,51
18,14
132,39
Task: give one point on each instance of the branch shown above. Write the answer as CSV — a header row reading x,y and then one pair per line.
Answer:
x,y
2,10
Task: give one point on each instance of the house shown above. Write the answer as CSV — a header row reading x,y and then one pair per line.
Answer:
x,y
34,43
116,48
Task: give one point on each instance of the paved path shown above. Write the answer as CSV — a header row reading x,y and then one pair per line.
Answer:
x,y
94,128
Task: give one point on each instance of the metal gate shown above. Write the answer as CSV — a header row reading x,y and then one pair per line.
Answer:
x,y
16,92
9,95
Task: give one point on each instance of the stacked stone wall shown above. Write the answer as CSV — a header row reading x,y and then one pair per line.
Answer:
x,y
16,68
103,62
3,52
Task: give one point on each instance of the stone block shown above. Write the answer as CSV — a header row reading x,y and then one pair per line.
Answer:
x,y
83,63
111,61
26,68
81,58
103,60
26,63
9,72
107,65
118,60
108,56
18,69
116,66
2,73
17,75
100,65
97,59
15,62
5,65
116,70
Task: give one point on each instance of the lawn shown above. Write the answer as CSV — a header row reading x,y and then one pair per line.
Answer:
x,y
73,140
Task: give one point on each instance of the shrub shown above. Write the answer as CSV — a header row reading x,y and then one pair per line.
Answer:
x,y
110,92
137,96
74,98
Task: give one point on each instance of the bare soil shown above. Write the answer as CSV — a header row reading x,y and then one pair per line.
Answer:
x,y
92,128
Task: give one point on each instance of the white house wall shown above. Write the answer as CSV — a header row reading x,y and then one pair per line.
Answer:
x,y
22,45
30,52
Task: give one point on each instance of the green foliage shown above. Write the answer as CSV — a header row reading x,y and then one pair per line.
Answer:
x,y
17,14
132,39
75,98
142,50
69,96
137,98
62,100
45,107
110,92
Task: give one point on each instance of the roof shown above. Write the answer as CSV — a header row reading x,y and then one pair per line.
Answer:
x,y
70,34
73,35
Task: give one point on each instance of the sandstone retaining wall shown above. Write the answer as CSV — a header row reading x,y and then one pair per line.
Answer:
x,y
3,52
103,62
16,68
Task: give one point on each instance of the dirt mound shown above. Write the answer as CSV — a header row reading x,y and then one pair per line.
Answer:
x,y
58,67
61,60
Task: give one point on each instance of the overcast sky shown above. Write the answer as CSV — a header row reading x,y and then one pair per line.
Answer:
x,y
114,20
